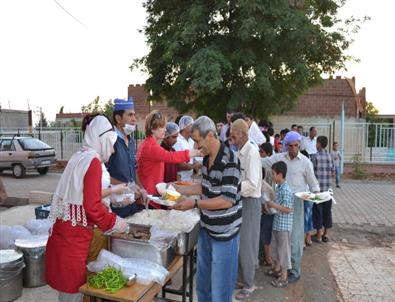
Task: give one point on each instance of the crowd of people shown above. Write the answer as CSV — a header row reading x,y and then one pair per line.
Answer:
x,y
247,180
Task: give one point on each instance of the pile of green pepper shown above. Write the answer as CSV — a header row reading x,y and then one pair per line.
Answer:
x,y
110,279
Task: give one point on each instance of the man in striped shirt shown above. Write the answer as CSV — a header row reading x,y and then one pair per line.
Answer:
x,y
221,214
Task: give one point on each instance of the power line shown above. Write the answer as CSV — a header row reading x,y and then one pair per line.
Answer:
x,y
69,13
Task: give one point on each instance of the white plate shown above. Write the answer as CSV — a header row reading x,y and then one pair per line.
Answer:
x,y
308,197
161,201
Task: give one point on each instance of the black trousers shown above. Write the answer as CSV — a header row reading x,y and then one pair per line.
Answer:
x,y
322,215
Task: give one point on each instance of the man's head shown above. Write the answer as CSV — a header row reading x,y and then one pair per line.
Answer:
x,y
292,142
335,146
185,125
322,142
235,116
228,116
220,125
313,132
239,133
279,170
204,133
123,113
266,149
283,133
294,127
171,134
300,129
249,119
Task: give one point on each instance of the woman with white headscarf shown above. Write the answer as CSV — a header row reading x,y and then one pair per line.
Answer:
x,y
76,207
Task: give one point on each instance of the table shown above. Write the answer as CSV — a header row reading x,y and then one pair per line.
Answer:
x,y
135,293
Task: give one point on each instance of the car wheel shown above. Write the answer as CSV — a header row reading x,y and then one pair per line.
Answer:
x,y
18,171
42,171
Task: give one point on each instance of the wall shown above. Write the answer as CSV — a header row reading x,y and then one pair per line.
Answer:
x,y
15,119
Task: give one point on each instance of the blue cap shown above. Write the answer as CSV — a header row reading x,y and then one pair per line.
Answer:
x,y
122,104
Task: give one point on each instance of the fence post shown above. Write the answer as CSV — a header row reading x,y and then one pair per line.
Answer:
x,y
39,134
61,143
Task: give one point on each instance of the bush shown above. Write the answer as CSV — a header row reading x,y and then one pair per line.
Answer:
x,y
358,169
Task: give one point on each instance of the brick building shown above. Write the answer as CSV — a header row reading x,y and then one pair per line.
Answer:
x,y
68,119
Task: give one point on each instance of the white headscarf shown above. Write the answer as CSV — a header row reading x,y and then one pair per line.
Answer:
x,y
99,140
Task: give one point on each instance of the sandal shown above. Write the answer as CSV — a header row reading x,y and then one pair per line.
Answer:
x,y
279,283
325,238
316,239
273,273
244,294
266,263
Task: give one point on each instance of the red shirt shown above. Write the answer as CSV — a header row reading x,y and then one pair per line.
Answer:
x,y
151,159
68,246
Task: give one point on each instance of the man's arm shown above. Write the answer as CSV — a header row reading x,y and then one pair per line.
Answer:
x,y
253,175
311,180
194,189
267,162
217,203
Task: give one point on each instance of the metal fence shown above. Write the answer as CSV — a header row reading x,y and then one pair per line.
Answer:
x,y
372,142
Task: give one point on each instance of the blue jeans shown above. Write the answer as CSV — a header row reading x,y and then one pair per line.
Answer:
x,y
337,171
308,216
217,263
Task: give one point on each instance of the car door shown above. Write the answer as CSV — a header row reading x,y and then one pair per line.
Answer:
x,y
7,151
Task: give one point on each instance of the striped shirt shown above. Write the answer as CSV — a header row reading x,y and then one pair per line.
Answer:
x,y
323,169
222,179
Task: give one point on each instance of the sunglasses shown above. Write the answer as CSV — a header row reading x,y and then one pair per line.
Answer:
x,y
156,116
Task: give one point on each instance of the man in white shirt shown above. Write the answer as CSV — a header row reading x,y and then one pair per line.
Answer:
x,y
185,142
225,127
251,182
309,143
300,176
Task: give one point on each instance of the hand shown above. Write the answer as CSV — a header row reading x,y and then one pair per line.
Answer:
x,y
119,189
120,226
195,153
184,205
270,204
196,166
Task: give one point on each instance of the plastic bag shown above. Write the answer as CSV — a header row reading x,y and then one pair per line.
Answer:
x,y
9,270
145,270
10,233
38,226
160,237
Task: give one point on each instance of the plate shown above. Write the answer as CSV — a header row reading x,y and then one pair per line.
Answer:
x,y
161,201
313,197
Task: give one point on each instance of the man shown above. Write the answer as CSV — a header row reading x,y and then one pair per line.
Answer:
x,y
221,214
172,131
300,175
122,163
226,126
309,143
300,130
294,127
184,142
255,134
251,182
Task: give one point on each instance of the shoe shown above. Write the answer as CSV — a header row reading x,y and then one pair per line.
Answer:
x,y
338,186
244,294
279,283
292,278
325,238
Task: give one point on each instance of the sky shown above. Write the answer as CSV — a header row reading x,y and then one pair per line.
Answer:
x,y
50,59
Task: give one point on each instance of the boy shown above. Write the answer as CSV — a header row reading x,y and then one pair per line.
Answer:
x,y
323,170
336,157
266,223
282,226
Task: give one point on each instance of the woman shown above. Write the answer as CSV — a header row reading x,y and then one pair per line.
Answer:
x,y
151,157
76,207
171,135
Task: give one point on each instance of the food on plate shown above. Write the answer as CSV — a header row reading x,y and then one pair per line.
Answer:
x,y
307,196
183,183
110,279
171,195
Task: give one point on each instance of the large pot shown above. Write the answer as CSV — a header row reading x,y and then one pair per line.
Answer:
x,y
11,266
34,254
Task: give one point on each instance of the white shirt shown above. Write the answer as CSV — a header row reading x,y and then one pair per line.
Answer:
x,y
222,135
181,145
255,134
308,144
300,172
251,171
272,140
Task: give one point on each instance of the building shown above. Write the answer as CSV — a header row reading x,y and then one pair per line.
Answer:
x,y
11,120
68,119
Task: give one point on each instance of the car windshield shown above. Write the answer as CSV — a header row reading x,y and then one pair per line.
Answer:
x,y
33,144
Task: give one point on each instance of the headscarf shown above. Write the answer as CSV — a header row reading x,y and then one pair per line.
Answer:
x,y
291,136
99,140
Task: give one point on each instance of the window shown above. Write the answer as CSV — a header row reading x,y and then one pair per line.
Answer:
x,y
33,144
7,145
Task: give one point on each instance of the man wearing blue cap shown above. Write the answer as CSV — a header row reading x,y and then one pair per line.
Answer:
x,y
122,163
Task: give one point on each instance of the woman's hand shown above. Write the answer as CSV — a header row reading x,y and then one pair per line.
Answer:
x,y
119,189
195,153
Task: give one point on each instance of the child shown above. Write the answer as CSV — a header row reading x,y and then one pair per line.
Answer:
x,y
323,170
336,157
266,223
282,226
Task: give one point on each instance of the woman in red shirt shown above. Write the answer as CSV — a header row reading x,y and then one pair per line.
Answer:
x,y
76,207
151,157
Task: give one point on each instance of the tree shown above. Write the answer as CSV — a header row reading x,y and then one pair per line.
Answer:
x,y
43,119
61,110
252,56
96,107
371,112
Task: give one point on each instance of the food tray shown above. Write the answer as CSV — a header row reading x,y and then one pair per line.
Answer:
x,y
186,241
161,201
308,196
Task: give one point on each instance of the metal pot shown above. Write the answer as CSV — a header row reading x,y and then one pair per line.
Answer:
x,y
34,272
11,280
